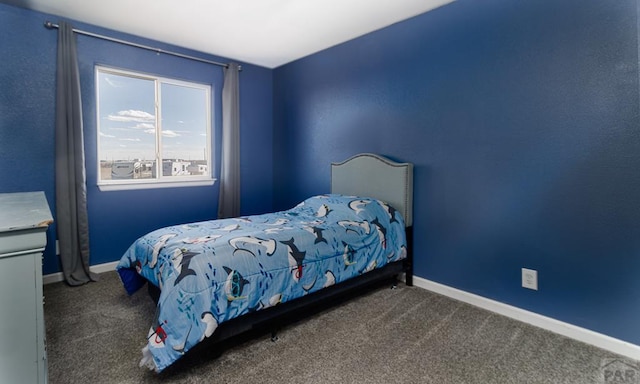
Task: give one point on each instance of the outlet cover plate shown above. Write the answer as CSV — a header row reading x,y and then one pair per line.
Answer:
x,y
530,279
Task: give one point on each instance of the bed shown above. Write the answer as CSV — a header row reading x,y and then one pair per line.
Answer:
x,y
216,279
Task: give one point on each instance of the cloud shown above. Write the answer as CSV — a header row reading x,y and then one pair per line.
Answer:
x,y
105,135
129,139
145,126
112,83
152,131
169,133
133,115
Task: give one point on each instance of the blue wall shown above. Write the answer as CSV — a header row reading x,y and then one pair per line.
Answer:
x,y
116,218
522,120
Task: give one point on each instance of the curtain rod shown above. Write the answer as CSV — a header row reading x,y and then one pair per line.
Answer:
x,y
51,25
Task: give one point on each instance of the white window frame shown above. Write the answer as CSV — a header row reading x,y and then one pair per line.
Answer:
x,y
160,181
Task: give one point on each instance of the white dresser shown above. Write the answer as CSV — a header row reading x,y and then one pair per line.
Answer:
x,y
24,219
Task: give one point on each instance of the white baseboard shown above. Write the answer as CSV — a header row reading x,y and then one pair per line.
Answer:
x,y
584,335
100,268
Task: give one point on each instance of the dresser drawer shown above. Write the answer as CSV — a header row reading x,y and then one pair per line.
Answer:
x,y
24,241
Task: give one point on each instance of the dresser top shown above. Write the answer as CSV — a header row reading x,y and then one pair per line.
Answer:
x,y
24,210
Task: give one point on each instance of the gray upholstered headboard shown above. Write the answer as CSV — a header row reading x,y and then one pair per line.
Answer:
x,y
370,175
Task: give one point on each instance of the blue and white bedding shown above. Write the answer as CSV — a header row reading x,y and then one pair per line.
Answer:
x,y
213,271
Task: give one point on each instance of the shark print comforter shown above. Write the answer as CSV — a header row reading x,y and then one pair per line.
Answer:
x,y
213,271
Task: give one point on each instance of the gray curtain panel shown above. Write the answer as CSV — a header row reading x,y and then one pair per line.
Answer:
x,y
229,202
71,190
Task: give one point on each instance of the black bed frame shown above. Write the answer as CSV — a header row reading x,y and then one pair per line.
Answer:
x,y
272,319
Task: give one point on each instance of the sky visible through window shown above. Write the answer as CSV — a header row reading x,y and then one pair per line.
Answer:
x,y
128,123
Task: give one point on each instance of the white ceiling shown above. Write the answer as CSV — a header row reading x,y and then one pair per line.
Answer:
x,y
268,33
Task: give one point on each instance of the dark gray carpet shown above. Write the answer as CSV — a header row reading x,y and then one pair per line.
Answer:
x,y
407,335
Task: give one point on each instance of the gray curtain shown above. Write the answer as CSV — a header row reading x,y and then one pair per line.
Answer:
x,y
229,203
71,191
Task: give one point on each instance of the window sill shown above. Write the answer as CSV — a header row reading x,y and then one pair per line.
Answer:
x,y
155,185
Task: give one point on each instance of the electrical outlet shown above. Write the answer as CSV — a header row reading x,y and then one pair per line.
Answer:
x,y
530,279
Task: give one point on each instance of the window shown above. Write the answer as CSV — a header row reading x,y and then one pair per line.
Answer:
x,y
152,131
